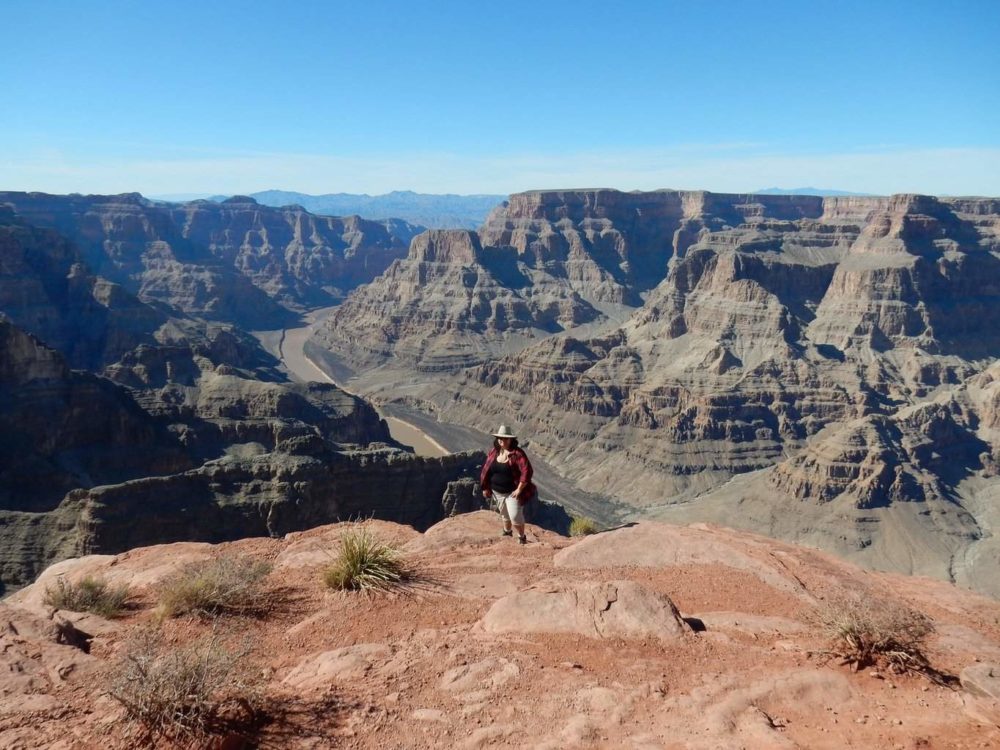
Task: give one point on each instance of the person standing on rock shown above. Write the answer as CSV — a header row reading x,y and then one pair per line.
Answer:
x,y
506,478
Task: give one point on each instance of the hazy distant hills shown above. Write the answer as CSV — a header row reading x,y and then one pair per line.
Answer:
x,y
822,192
434,211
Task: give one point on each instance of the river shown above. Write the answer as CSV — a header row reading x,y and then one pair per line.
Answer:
x,y
288,345
429,437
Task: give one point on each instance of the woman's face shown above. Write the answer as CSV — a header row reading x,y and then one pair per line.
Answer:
x,y
505,443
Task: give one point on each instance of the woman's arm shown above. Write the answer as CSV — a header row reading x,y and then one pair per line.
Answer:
x,y
524,470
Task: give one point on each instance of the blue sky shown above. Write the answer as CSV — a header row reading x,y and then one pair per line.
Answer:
x,y
466,97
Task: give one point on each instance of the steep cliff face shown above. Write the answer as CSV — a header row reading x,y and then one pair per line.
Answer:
x,y
236,261
63,429
184,429
45,288
307,481
271,495
923,274
449,304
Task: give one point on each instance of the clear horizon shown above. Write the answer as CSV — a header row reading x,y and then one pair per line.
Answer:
x,y
320,98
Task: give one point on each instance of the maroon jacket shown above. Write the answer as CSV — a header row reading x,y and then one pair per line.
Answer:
x,y
520,468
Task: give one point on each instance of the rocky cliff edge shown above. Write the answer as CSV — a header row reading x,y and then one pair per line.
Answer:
x,y
647,636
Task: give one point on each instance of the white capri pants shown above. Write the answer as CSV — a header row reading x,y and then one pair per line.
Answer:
x,y
509,508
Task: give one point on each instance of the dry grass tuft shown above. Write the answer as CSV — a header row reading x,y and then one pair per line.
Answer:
x,y
223,586
90,594
365,563
583,526
870,630
184,693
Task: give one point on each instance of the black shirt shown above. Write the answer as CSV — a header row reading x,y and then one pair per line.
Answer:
x,y
502,478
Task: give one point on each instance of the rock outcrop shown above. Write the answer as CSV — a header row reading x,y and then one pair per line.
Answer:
x,y
559,643
449,304
617,609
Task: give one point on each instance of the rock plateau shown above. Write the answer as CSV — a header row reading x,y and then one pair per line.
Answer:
x,y
652,637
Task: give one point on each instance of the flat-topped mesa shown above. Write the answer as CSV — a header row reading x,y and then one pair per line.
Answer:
x,y
614,245
449,304
293,255
577,205
974,206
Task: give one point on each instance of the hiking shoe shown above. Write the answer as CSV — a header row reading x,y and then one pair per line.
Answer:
x,y
508,532
522,540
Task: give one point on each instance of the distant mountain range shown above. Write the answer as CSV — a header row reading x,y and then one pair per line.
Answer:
x,y
435,211
823,192
447,211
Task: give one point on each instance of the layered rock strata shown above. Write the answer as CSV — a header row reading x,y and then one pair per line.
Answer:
x,y
449,304
237,261
771,324
182,429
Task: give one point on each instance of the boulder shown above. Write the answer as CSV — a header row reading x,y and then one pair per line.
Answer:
x,y
617,609
981,683
657,545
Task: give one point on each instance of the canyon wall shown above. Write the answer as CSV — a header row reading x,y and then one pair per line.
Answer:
x,y
127,421
771,334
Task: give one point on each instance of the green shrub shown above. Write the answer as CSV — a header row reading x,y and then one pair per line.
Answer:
x,y
365,563
87,595
225,585
185,692
870,630
583,526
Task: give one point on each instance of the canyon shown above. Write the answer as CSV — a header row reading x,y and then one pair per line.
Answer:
x,y
135,413
818,369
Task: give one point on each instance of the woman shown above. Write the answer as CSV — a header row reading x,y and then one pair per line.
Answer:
x,y
506,478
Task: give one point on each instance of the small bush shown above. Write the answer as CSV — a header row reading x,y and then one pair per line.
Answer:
x,y
183,692
87,595
365,563
225,585
870,630
583,526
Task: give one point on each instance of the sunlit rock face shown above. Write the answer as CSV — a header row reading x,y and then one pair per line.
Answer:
x,y
815,335
236,261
